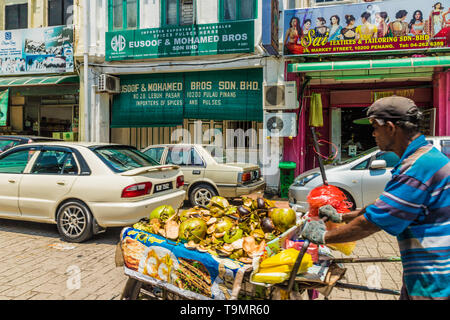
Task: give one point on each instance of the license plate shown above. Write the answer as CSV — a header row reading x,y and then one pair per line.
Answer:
x,y
163,186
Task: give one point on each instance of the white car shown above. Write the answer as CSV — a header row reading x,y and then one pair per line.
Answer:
x,y
84,187
362,178
207,172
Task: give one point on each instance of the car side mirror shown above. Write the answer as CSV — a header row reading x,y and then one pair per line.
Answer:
x,y
378,164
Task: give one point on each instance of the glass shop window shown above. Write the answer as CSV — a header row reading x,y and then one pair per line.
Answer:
x,y
124,14
232,10
16,16
60,12
179,12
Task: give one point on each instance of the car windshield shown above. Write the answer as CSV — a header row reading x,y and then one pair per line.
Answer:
x,y
123,158
217,153
358,156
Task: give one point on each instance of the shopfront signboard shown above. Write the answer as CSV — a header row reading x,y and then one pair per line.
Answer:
x,y
178,41
36,51
412,25
150,100
4,95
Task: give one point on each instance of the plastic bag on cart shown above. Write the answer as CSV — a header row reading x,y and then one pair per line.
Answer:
x,y
328,194
277,268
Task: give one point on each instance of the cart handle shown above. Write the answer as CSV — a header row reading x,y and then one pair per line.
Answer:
x,y
298,261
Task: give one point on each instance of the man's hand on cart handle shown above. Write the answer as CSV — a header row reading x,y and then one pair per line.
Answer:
x,y
330,212
314,231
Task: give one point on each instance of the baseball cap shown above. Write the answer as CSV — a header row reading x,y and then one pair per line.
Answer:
x,y
392,108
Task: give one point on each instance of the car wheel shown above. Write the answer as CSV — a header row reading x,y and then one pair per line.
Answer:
x,y
74,221
350,199
201,195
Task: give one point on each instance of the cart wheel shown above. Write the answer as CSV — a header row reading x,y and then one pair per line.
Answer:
x,y
131,290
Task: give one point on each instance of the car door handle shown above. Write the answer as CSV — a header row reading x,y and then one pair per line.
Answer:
x,y
61,183
11,181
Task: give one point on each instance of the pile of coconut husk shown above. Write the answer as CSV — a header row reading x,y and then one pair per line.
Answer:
x,y
238,232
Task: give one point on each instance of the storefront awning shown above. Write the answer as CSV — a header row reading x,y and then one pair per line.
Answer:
x,y
440,61
38,80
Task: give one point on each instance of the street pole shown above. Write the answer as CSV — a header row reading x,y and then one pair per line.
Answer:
x,y
86,71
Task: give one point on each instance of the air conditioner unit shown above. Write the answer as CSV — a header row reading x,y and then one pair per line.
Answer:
x,y
280,124
280,96
108,83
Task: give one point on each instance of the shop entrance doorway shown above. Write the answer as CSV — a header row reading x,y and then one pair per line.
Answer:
x,y
350,138
46,115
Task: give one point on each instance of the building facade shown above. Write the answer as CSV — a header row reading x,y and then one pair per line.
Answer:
x,y
38,77
189,71
144,72
351,53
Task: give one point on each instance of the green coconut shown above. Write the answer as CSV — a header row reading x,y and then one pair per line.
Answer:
x,y
232,235
283,218
224,224
162,213
186,214
218,201
192,229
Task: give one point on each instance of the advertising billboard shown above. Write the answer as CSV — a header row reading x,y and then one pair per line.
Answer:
x,y
367,27
35,51
178,41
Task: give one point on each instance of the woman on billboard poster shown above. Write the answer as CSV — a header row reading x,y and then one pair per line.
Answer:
x,y
335,28
436,20
416,25
445,31
382,21
306,27
446,17
367,30
399,27
321,30
292,41
349,32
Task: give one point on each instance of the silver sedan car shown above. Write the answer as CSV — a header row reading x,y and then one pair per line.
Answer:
x,y
362,178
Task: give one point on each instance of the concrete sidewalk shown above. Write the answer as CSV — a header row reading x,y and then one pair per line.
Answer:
x,y
386,275
37,265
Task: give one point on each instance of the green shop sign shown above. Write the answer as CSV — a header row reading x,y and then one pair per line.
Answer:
x,y
177,41
158,100
4,107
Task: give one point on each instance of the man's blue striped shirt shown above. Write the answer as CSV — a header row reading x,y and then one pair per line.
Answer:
x,y
415,207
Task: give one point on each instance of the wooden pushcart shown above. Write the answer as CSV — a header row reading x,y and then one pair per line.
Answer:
x,y
139,286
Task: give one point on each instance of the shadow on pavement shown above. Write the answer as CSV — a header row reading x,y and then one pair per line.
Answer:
x,y
29,228
110,236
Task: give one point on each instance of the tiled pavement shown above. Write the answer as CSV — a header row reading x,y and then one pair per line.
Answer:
x,y
35,264
385,275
